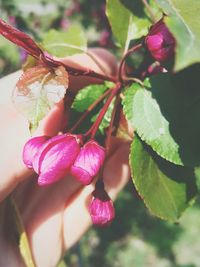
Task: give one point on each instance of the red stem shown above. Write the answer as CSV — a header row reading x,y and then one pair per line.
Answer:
x,y
89,109
26,42
76,71
95,126
121,66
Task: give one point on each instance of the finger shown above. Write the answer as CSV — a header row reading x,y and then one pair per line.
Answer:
x,y
13,137
41,210
15,133
107,64
76,218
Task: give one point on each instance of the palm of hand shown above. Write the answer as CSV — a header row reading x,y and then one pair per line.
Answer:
x,y
55,216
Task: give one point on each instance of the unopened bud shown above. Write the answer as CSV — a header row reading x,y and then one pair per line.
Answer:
x,y
54,157
88,162
101,208
160,42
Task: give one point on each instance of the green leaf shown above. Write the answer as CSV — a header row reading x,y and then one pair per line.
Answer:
x,y
9,51
62,44
144,113
125,26
165,115
87,96
166,189
129,20
183,22
38,90
140,27
121,21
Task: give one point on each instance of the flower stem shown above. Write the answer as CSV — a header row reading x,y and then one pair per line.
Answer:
x,y
27,43
92,131
121,66
77,72
110,129
89,109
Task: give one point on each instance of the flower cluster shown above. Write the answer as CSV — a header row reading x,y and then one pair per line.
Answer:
x,y
52,158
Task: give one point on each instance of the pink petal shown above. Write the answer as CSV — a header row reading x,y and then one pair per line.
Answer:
x,y
154,42
55,157
81,175
31,148
51,177
88,162
102,212
36,160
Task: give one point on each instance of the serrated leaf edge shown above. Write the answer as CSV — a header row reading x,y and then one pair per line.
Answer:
x,y
179,163
145,203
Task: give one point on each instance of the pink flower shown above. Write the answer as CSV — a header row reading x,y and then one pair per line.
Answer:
x,y
160,42
101,208
53,157
88,162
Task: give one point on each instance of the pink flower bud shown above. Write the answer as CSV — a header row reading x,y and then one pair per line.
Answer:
x,y
31,148
54,157
88,162
101,208
160,42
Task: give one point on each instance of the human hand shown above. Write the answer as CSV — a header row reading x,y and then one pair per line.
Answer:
x,y
55,216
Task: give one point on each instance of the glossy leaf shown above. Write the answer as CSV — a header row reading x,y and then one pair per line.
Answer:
x,y
165,115
183,22
38,90
130,20
144,113
166,189
62,44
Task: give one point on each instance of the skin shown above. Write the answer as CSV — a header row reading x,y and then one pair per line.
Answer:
x,y
55,216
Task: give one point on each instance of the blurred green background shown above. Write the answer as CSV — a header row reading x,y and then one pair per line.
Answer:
x,y
135,239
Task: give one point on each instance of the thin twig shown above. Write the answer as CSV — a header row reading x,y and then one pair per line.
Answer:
x,y
121,66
